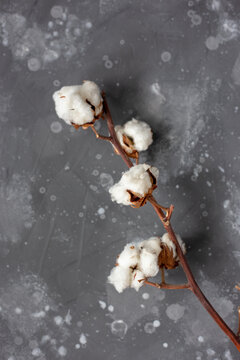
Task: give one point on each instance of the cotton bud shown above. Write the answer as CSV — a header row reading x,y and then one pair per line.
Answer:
x,y
135,185
79,105
134,135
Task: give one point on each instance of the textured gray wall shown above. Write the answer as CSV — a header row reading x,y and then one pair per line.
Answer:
x,y
174,64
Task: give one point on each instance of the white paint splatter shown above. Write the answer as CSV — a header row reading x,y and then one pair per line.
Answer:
x,y
145,296
231,212
83,339
56,127
62,351
175,312
119,328
102,304
201,339
236,71
156,90
106,180
58,320
156,323
111,308
67,35
212,43
228,355
182,116
21,300
149,328
16,212
166,56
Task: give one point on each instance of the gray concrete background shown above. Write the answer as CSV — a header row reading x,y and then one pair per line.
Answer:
x,y
174,64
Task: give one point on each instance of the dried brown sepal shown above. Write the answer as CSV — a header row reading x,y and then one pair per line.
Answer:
x,y
128,148
166,258
136,200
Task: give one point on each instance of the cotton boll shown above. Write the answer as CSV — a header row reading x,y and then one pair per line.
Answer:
x,y
129,256
78,104
148,263
140,132
120,278
136,179
136,276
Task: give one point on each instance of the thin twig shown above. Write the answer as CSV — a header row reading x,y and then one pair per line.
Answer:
x,y
98,136
113,135
238,333
162,275
167,286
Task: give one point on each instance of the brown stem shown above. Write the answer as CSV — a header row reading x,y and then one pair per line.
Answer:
x,y
192,284
191,280
162,275
113,135
238,333
167,286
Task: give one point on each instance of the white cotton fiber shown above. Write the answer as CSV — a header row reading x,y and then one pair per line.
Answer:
x,y
148,263
129,256
152,244
136,276
120,278
78,104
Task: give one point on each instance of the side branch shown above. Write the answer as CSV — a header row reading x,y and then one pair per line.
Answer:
x,y
167,286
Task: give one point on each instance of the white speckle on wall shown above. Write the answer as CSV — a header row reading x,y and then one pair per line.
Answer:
x,y
119,328
175,312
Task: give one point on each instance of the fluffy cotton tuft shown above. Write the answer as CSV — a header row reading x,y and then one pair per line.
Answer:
x,y
120,278
138,132
129,257
148,263
78,104
137,279
137,179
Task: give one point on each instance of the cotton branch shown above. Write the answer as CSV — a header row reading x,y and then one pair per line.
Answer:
x,y
192,284
81,106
